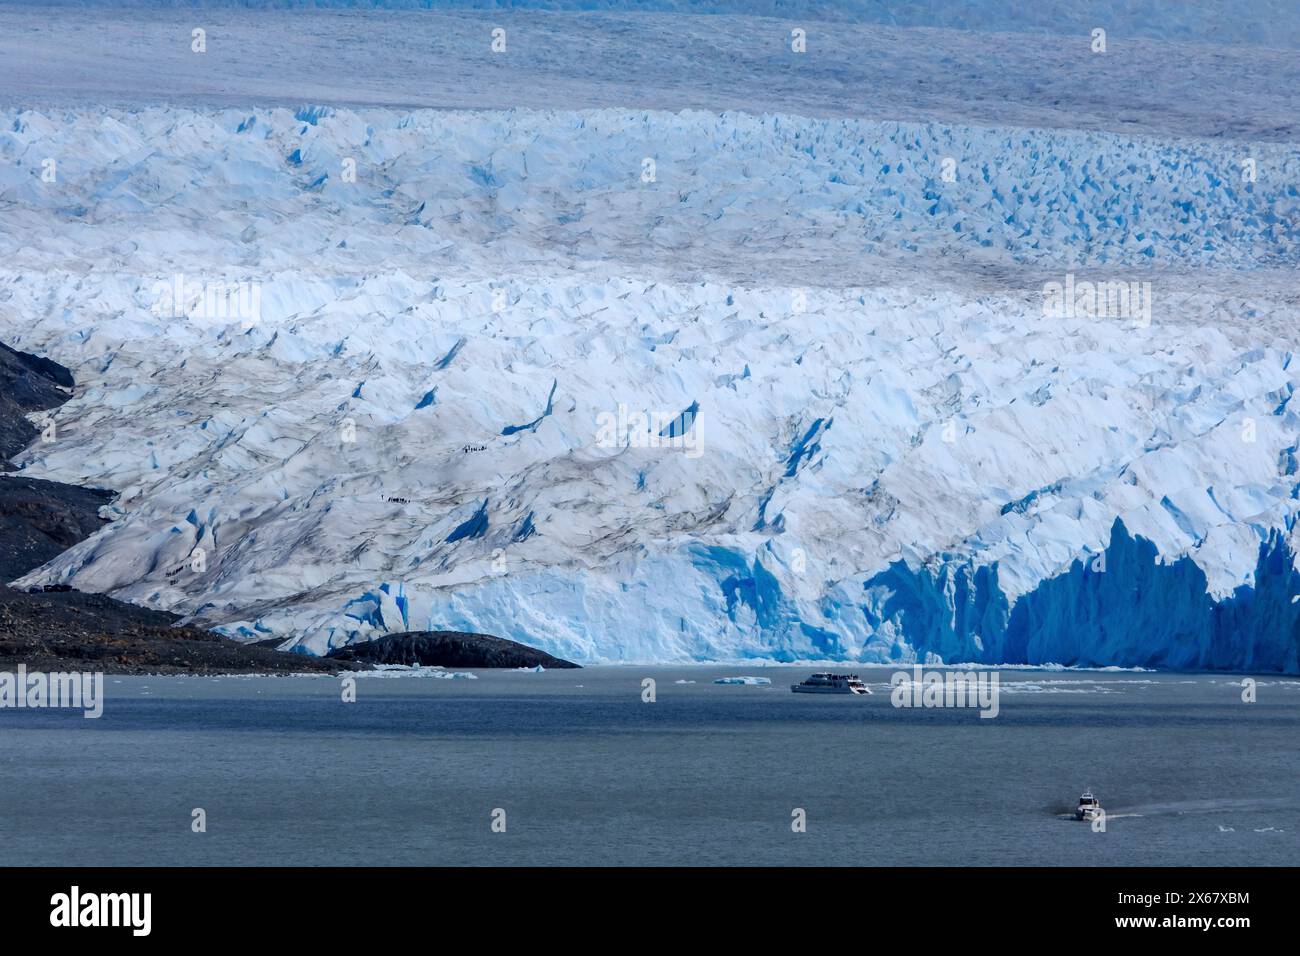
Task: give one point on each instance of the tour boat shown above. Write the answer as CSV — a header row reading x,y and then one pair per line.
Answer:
x,y
831,684
1089,807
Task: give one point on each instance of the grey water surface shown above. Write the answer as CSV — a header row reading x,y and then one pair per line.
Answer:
x,y
587,772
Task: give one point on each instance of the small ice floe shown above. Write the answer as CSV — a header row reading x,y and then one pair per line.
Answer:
x,y
539,669
683,682
755,681
1223,829
414,670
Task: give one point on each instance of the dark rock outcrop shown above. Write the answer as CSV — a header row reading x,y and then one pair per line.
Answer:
x,y
27,384
447,649
39,520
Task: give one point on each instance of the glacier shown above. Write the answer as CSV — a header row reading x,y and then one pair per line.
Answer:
x,y
1262,22
787,393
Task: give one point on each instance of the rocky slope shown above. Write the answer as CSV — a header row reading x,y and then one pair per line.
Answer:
x,y
41,519
27,384
69,630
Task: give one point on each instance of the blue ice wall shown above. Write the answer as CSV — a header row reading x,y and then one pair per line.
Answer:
x,y
1127,610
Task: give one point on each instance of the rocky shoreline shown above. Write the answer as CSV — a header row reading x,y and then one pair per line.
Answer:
x,y
59,628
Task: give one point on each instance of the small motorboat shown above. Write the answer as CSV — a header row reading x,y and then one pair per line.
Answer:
x,y
831,684
1089,807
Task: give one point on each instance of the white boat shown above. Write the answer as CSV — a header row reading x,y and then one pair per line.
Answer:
x,y
831,684
1089,807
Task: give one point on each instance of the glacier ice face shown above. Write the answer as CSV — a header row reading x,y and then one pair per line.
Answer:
x,y
842,431
1123,604
792,397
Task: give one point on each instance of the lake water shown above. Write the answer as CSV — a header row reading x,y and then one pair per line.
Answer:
x,y
588,773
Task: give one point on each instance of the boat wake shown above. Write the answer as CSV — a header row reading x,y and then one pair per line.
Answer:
x,y
1186,808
